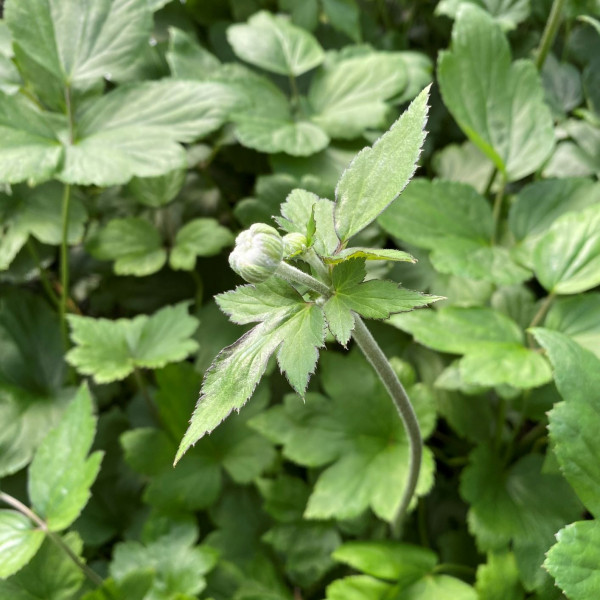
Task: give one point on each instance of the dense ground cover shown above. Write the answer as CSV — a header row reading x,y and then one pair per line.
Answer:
x,y
138,138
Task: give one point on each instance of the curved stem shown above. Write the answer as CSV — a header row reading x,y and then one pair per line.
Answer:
x,y
549,33
539,316
311,257
373,353
64,266
55,538
498,209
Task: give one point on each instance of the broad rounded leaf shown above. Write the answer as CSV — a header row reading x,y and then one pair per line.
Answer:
x,y
274,44
19,541
498,104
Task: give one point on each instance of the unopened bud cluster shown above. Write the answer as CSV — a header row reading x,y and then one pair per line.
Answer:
x,y
257,254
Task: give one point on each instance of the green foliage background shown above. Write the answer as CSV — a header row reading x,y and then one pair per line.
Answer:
x,y
138,138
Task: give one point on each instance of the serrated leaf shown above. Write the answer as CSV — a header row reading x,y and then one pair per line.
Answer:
x,y
506,118
198,237
137,129
378,175
349,96
566,259
19,541
236,371
111,350
371,299
79,42
369,254
573,560
61,474
51,574
520,504
574,423
133,243
453,221
356,435
274,44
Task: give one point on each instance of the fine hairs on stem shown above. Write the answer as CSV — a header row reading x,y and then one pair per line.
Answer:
x,y
373,353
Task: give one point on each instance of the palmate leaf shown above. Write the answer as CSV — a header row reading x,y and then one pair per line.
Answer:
x,y
378,175
356,435
293,328
111,350
497,103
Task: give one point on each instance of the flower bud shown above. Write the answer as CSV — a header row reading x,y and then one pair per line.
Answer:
x,y
294,244
257,254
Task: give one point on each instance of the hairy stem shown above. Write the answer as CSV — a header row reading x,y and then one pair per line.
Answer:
x,y
54,537
294,275
316,263
549,33
43,275
373,353
64,266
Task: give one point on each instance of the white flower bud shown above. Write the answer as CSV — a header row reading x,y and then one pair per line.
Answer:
x,y
257,254
294,244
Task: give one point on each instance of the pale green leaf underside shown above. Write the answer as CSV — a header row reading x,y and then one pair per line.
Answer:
x,y
61,474
566,259
378,175
573,561
19,541
369,254
348,96
497,103
274,44
111,350
298,332
134,130
455,222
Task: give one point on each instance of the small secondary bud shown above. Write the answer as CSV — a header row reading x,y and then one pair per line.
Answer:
x,y
294,244
257,254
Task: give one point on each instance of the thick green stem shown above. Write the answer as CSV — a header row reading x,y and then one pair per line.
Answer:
x,y
294,94
64,266
373,353
43,275
549,33
370,348
54,537
316,263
